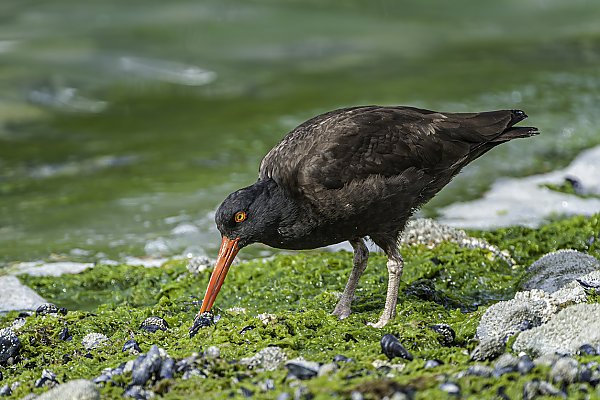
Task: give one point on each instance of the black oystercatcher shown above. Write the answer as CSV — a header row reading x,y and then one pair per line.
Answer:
x,y
354,173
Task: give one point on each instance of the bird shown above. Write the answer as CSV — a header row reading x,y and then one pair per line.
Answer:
x,y
354,174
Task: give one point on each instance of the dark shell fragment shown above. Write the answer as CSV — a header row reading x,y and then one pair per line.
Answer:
x,y
587,349
447,334
201,321
46,308
132,346
391,347
65,334
246,329
302,369
153,324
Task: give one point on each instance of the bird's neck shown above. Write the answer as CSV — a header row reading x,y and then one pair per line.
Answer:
x,y
290,218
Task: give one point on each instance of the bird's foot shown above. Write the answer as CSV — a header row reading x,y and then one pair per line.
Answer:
x,y
342,310
383,320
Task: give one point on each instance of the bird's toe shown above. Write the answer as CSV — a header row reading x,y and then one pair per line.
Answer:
x,y
379,324
341,311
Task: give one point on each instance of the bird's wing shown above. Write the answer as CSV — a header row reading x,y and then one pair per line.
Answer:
x,y
347,145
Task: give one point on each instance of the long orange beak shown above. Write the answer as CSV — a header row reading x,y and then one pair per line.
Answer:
x,y
227,252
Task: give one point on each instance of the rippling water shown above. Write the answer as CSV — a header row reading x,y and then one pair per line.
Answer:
x,y
124,124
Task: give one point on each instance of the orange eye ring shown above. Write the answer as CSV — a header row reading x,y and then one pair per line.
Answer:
x,y
239,216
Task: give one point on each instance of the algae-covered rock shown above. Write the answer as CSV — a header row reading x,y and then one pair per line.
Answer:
x,y
79,389
268,359
556,269
565,332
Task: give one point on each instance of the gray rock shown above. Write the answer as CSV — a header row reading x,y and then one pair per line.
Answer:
x,y
525,311
212,352
505,364
327,369
145,366
5,390
565,333
432,364
79,389
36,268
450,388
94,340
535,388
16,296
480,370
9,345
525,365
268,359
565,370
554,270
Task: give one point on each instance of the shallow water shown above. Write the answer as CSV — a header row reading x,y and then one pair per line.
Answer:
x,y
123,126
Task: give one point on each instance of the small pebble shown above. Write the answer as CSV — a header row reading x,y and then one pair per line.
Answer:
x,y
450,388
212,352
94,340
505,364
153,324
432,364
356,395
480,370
138,393
5,391
564,370
48,379
327,369
525,365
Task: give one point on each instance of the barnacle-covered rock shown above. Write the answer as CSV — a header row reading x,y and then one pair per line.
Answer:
x,y
80,389
9,345
94,340
46,308
153,324
565,333
447,334
268,359
391,347
554,270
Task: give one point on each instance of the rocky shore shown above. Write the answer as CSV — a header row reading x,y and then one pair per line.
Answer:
x,y
512,313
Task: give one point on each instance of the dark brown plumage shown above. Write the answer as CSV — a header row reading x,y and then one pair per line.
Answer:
x,y
354,173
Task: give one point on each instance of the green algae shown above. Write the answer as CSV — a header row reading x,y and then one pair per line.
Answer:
x,y
299,290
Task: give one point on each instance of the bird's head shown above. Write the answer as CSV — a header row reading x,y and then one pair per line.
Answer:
x,y
245,217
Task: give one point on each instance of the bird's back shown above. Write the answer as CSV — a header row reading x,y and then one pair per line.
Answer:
x,y
353,160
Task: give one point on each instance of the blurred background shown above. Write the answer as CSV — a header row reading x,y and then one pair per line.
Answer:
x,y
123,125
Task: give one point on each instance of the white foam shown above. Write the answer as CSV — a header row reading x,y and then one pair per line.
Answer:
x,y
525,201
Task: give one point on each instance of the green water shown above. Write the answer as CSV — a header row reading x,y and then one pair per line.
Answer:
x,y
121,121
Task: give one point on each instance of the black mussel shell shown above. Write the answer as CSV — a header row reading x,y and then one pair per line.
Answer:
x,y
391,347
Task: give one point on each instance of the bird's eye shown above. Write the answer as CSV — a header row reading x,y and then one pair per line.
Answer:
x,y
239,216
